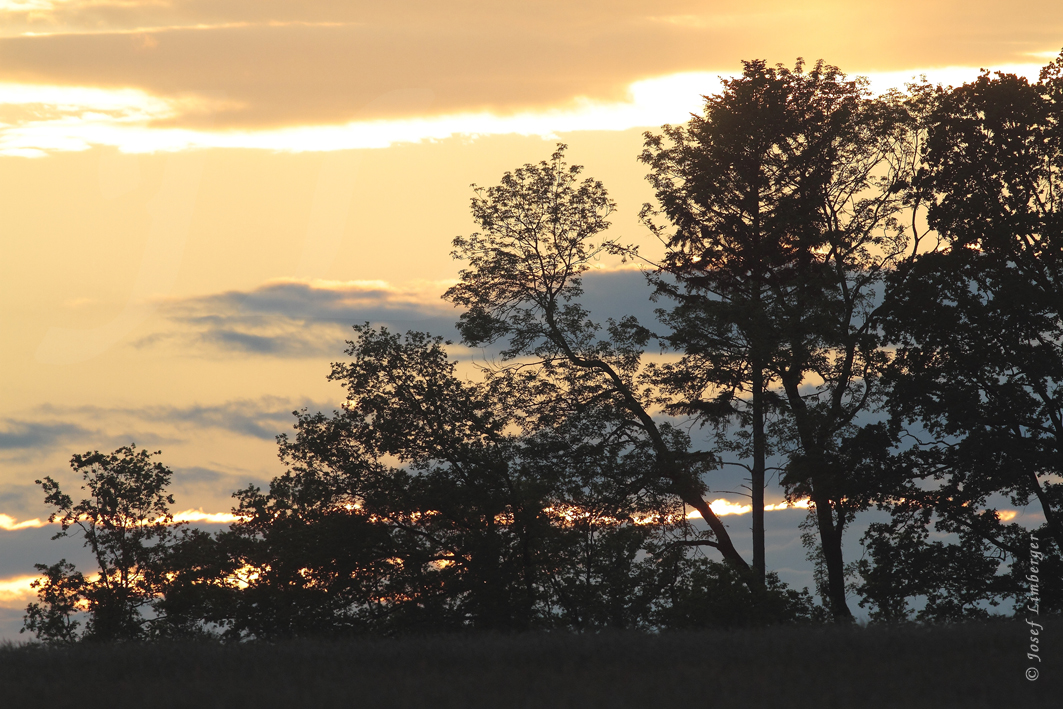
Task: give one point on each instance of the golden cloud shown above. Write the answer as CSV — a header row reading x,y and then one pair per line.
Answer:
x,y
77,118
16,592
722,507
10,524
282,64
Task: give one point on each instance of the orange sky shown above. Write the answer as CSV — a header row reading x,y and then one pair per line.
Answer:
x,y
191,214
257,63
257,73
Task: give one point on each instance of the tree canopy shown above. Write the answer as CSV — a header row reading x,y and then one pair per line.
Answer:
x,y
809,322
126,523
783,202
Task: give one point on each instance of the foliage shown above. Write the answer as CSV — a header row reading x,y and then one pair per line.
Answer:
x,y
524,270
60,590
975,389
427,503
707,594
950,582
783,201
126,524
551,493
522,285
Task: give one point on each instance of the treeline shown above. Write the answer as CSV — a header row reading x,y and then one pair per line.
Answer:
x,y
867,289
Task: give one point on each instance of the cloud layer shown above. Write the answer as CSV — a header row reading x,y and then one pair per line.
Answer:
x,y
49,432
229,67
293,318
296,318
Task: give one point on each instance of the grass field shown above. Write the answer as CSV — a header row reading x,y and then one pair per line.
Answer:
x,y
976,665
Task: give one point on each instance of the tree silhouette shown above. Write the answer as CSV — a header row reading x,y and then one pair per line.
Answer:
x,y
783,201
60,591
126,524
432,503
549,493
977,381
522,285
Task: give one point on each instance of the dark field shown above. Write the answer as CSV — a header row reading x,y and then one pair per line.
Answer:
x,y
790,667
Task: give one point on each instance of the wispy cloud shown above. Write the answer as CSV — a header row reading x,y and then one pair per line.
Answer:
x,y
38,435
27,6
301,318
292,318
261,418
334,301
36,119
67,11
17,591
41,119
46,436
10,524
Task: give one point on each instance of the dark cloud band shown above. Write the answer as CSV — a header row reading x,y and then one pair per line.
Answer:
x,y
312,319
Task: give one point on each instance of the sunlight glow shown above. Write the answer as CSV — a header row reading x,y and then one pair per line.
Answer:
x,y
36,118
245,576
797,504
85,98
24,5
63,118
208,517
9,524
44,6
17,591
881,82
722,507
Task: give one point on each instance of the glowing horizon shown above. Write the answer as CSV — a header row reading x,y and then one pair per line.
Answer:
x,y
18,590
85,117
11,524
719,506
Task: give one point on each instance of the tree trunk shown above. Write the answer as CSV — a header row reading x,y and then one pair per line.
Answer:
x,y
687,489
756,483
817,478
830,536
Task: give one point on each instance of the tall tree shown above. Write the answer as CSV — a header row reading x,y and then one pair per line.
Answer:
x,y
540,232
978,379
782,200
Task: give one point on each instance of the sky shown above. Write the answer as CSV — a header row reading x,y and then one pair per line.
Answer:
x,y
199,197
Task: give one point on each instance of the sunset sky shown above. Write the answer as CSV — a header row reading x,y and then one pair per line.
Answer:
x,y
199,197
